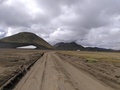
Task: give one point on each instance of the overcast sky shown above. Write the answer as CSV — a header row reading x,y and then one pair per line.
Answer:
x,y
87,22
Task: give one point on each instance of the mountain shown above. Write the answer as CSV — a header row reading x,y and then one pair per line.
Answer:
x,y
98,49
68,46
74,46
24,39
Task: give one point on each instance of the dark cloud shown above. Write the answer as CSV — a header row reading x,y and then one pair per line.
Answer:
x,y
87,22
2,33
14,15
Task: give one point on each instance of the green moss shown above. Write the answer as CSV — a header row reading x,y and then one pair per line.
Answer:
x,y
91,60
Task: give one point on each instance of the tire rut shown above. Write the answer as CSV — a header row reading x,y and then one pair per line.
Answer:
x,y
43,77
59,67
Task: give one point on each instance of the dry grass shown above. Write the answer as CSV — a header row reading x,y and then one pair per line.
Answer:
x,y
13,60
95,56
105,66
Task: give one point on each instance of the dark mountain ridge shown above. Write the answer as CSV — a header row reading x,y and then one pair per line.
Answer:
x,y
75,46
68,46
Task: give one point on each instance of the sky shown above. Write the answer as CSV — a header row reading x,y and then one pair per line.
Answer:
x,y
94,23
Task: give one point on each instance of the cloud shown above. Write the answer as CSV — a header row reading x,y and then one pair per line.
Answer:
x,y
13,15
87,22
2,33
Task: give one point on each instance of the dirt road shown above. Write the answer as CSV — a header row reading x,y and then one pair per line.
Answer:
x,y
52,73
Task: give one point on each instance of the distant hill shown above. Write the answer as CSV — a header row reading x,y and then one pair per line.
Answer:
x,y
24,39
68,46
75,46
98,49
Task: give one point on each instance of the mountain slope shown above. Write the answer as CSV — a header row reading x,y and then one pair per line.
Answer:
x,y
24,39
68,46
74,46
98,49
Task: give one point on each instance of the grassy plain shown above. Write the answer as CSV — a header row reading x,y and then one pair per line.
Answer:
x,y
95,56
103,65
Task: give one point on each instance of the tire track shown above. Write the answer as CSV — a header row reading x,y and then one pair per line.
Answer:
x,y
32,76
67,77
43,76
